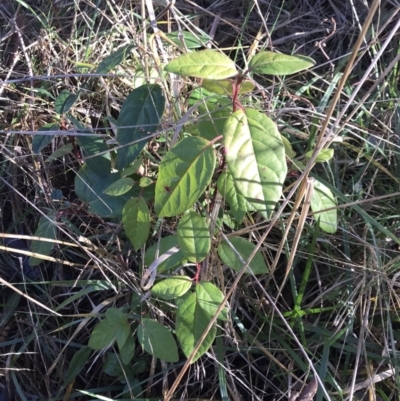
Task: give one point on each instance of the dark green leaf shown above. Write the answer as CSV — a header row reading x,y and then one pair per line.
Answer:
x,y
76,365
102,335
128,350
157,340
46,229
114,59
139,117
64,101
41,141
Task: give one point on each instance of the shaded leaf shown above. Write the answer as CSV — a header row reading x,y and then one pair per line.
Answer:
x,y
60,152
203,64
165,244
245,249
191,322
116,316
121,335
41,141
128,350
136,221
267,62
225,87
157,340
139,117
193,236
184,174
114,59
46,229
102,335
120,187
212,124
172,288
255,156
190,40
64,101
76,365
323,198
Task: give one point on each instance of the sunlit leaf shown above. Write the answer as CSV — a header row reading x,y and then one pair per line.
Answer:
x,y
323,199
184,174
267,62
193,236
119,187
172,288
324,155
225,87
255,155
136,221
191,41
191,322
209,64
210,298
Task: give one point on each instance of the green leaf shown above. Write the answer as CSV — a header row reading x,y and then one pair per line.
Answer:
x,y
46,229
120,187
128,350
225,86
64,101
90,188
255,155
60,152
237,202
191,322
245,249
41,141
290,153
157,340
133,168
266,62
136,221
116,316
165,244
76,365
323,199
191,41
203,64
193,236
172,288
212,124
102,335
122,333
139,117
210,298
112,366
184,174
145,182
324,155
114,59
93,153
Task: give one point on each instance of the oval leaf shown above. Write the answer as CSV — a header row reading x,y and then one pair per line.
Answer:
x,y
237,202
116,316
210,298
323,198
139,117
184,174
102,335
244,248
193,236
128,350
255,155
191,41
122,334
271,63
225,87
76,365
120,187
46,229
41,141
203,64
114,59
172,288
191,322
136,221
324,155
157,340
165,244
